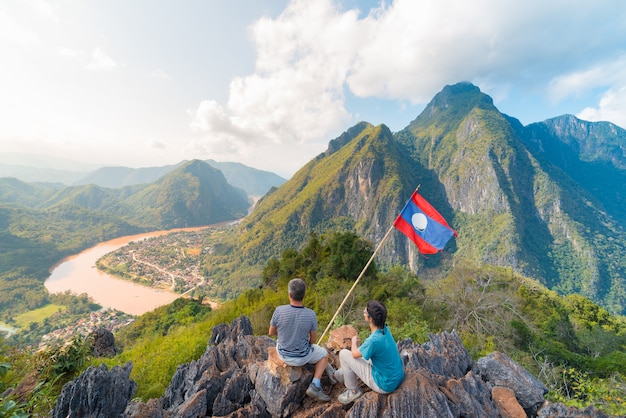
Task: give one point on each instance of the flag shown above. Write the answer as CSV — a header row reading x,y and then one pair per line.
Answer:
x,y
423,225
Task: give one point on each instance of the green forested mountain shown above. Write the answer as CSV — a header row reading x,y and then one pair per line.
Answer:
x,y
194,194
593,154
40,225
255,182
519,197
511,206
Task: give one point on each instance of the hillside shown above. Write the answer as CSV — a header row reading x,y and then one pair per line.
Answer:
x,y
39,225
510,205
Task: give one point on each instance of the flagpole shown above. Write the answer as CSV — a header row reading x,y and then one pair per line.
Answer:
x,y
358,278
355,283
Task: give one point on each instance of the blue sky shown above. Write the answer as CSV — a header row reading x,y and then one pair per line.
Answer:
x,y
269,82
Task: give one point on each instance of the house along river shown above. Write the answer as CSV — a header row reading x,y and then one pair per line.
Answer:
x,y
78,274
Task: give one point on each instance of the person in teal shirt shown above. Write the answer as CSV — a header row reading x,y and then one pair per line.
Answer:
x,y
376,362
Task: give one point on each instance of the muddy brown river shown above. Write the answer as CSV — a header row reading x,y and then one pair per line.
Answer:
x,y
78,274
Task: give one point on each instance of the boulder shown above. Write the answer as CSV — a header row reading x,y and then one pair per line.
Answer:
x,y
96,393
340,338
558,410
500,370
444,355
507,403
103,343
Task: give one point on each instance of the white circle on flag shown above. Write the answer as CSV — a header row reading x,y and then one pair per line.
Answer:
x,y
419,221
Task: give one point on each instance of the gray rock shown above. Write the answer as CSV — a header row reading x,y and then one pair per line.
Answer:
x,y
501,370
444,355
96,393
237,377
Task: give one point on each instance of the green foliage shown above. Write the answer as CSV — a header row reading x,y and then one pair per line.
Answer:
x,y
578,389
63,361
163,320
49,368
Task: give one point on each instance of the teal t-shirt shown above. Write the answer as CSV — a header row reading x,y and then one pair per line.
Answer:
x,y
387,367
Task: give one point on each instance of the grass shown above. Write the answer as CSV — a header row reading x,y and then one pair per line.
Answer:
x,y
37,315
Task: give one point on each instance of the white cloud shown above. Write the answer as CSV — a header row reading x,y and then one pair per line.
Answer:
x,y
612,107
160,74
313,52
100,61
15,32
43,8
608,76
296,95
156,144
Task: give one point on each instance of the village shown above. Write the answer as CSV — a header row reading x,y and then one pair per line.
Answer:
x,y
171,261
109,319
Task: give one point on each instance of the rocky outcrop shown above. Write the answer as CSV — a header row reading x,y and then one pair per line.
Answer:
x,y
96,393
103,343
239,375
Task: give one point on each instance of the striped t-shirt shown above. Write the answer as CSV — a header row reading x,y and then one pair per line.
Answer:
x,y
293,325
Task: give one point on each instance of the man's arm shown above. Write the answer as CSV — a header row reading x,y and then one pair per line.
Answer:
x,y
312,337
272,330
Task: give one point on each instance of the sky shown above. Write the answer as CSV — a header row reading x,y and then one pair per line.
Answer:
x,y
268,83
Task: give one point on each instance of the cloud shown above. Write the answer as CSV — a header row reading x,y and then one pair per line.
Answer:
x,y
15,32
606,76
296,95
156,144
43,8
313,54
611,108
100,61
160,74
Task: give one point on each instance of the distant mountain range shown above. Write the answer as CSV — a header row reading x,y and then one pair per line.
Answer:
x,y
34,168
544,200
193,194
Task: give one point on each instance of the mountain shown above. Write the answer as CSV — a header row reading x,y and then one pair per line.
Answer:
x,y
116,177
42,168
34,168
253,181
591,153
195,194
492,179
357,184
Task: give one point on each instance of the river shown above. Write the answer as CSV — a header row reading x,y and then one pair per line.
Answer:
x,y
78,273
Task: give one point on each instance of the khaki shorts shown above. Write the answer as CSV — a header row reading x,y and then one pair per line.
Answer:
x,y
313,357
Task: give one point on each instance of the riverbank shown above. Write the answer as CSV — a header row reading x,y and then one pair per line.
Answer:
x,y
78,274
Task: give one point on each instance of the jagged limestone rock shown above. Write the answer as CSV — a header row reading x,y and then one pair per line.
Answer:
x,y
501,370
237,377
96,393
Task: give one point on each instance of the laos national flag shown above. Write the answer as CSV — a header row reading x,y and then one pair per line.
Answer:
x,y
424,225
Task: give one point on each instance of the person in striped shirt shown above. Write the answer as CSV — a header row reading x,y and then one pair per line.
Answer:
x,y
296,329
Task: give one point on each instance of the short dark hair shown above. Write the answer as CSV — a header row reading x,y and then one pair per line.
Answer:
x,y
296,289
377,311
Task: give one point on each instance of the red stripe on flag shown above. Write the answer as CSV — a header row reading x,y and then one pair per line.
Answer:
x,y
408,230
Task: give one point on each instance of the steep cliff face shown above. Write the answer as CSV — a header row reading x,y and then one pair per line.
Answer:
x,y
358,184
490,177
238,377
530,198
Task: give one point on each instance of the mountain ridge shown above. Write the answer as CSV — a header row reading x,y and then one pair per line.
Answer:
x,y
510,206
489,176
